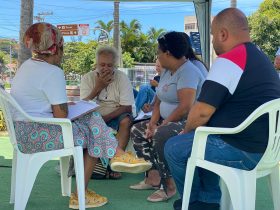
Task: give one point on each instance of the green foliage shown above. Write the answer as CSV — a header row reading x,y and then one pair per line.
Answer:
x,y
79,57
5,45
2,122
106,26
4,58
265,27
142,47
127,60
139,46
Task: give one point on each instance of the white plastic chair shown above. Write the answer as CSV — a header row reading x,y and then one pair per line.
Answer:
x,y
26,166
241,184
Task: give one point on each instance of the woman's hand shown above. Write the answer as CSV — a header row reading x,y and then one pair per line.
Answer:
x,y
153,83
150,131
164,122
147,108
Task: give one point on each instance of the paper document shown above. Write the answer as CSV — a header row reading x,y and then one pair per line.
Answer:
x,y
81,108
143,115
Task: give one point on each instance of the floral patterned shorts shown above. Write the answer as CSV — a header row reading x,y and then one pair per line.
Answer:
x,y
89,131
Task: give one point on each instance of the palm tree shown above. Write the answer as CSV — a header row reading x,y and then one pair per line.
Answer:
x,y
133,27
106,26
26,20
116,35
154,33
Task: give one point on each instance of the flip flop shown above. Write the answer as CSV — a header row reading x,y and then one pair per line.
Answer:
x,y
143,186
159,196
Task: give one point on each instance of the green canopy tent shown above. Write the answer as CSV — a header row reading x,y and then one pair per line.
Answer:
x,y
203,14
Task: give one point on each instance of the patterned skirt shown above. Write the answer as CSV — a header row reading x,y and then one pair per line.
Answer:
x,y
89,131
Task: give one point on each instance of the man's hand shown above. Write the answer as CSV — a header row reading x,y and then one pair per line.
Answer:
x,y
147,108
277,62
103,79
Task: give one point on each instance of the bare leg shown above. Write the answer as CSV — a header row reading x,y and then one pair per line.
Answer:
x,y
171,188
124,133
89,164
119,151
153,178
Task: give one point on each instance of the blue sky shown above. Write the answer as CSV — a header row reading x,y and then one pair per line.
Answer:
x,y
167,15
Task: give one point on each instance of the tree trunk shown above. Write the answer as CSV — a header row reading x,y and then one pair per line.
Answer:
x,y
26,20
233,3
116,36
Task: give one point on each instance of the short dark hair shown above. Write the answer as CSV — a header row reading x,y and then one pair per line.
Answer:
x,y
175,43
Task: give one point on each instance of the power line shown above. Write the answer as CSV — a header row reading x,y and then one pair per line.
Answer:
x,y
40,17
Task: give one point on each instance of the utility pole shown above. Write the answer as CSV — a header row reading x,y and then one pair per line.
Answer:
x,y
10,53
233,3
41,16
10,60
116,36
26,20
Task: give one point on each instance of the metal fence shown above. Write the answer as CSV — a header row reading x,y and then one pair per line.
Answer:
x,y
140,74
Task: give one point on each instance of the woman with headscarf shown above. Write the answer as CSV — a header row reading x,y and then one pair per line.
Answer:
x,y
179,86
40,89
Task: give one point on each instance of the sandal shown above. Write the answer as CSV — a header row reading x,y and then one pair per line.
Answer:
x,y
113,175
143,186
159,196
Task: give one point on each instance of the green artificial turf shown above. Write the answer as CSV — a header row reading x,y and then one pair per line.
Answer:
x,y
46,192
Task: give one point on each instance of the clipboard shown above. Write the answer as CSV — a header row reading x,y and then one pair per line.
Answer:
x,y
81,108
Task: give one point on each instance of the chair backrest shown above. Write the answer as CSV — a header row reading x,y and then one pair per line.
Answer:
x,y
271,156
9,106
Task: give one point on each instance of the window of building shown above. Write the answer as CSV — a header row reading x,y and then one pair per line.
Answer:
x,y
189,26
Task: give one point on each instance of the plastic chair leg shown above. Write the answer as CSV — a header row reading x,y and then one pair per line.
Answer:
x,y
13,178
65,180
225,203
231,190
20,182
27,169
188,184
80,178
249,199
275,187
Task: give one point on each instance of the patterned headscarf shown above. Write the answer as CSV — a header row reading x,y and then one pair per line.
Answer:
x,y
43,38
